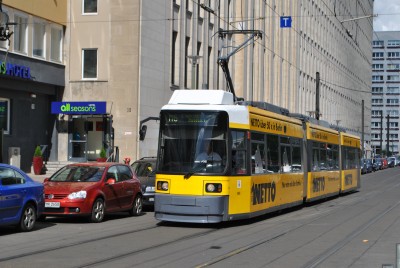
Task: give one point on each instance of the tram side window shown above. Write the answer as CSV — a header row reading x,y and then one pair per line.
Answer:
x,y
272,154
315,156
286,155
239,158
257,153
323,164
332,157
296,155
350,158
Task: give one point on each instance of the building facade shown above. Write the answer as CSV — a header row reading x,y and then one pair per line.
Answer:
x,y
132,54
123,59
32,75
385,93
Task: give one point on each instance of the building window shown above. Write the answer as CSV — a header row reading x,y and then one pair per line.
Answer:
x,y
20,34
377,101
377,55
377,90
393,43
39,32
89,6
393,55
376,67
56,44
393,112
5,115
377,43
392,78
377,78
376,112
174,53
392,67
392,90
392,101
89,63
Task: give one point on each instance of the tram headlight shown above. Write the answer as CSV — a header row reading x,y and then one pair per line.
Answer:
x,y
213,187
162,186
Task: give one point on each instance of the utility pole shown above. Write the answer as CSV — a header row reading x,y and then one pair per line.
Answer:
x,y
317,96
362,128
381,136
387,135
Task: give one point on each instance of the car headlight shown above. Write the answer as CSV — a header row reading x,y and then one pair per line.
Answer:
x,y
77,195
150,189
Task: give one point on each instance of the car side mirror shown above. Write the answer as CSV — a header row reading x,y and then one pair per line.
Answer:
x,y
46,179
110,181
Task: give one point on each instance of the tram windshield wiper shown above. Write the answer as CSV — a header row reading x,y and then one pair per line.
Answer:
x,y
199,167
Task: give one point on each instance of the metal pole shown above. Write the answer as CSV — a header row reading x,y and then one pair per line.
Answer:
x,y
362,128
193,73
381,149
387,135
317,97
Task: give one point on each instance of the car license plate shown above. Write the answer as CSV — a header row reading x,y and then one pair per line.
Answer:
x,y
151,199
52,204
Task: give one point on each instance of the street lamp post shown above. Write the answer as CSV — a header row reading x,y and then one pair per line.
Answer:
x,y
194,60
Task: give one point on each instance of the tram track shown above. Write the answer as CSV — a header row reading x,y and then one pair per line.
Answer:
x,y
325,208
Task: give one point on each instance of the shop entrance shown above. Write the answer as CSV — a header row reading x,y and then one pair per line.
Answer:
x,y
87,135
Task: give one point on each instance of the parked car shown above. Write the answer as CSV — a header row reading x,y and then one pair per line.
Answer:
x,y
93,189
391,161
378,163
145,170
369,165
363,166
21,198
384,163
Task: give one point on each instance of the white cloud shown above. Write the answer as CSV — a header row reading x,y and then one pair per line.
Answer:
x,y
388,15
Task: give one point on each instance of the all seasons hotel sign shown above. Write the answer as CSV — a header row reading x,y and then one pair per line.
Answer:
x,y
15,70
79,107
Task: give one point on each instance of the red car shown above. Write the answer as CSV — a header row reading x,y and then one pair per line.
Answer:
x,y
92,189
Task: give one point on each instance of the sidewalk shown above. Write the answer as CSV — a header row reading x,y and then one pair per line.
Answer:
x,y
39,178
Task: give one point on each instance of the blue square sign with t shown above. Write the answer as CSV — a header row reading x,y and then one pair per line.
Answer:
x,y
286,22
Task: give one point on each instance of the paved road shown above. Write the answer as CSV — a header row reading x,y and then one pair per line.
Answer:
x,y
355,230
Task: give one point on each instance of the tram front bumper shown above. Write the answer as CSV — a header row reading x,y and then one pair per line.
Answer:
x,y
195,209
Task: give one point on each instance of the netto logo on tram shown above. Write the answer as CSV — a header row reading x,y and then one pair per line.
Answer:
x,y
263,193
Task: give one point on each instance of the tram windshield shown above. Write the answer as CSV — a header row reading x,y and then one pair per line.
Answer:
x,y
193,142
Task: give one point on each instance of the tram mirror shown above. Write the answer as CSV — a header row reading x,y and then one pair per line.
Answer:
x,y
142,132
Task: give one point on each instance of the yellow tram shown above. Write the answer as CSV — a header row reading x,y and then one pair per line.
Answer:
x,y
222,160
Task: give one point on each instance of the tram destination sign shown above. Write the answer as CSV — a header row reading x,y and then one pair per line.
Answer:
x,y
80,107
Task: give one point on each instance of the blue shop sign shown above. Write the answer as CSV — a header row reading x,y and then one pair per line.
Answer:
x,y
79,107
15,70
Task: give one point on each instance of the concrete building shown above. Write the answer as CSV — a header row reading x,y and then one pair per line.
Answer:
x,y
32,75
123,59
132,54
385,93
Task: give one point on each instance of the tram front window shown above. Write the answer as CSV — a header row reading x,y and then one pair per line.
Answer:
x,y
193,142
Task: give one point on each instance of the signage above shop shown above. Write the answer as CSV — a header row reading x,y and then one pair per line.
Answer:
x,y
79,107
15,70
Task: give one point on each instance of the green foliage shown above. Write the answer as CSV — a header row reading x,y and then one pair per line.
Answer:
x,y
103,153
38,151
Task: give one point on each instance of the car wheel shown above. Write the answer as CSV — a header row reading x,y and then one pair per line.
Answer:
x,y
28,218
137,206
98,210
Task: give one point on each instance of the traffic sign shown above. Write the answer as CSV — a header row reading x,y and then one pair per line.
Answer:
x,y
286,22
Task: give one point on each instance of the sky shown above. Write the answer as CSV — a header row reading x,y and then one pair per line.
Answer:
x,y
388,15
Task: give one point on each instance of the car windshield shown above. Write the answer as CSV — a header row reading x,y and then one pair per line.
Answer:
x,y
78,174
143,169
